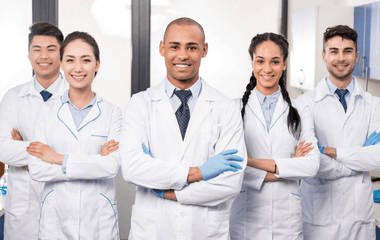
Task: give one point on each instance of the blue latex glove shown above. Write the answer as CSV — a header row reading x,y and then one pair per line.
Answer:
x,y
321,149
158,192
146,151
220,163
373,139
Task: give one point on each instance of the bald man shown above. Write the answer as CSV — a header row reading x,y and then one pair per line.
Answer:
x,y
182,144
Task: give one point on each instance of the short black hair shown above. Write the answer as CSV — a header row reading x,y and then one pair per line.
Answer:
x,y
45,29
187,22
342,31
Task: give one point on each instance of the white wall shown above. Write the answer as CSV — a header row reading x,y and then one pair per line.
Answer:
x,y
229,27
15,20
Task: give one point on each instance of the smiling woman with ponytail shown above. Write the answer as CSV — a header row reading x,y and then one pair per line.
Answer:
x,y
276,129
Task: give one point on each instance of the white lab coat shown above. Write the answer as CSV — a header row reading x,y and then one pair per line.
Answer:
x,y
335,205
80,204
203,207
18,109
272,210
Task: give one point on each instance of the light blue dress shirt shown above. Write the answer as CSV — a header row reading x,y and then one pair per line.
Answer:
x,y
268,105
350,89
176,102
78,116
52,89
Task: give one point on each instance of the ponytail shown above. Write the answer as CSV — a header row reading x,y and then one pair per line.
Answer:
x,y
250,86
294,119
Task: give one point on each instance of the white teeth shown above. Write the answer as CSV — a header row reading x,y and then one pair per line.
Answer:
x,y
78,77
267,77
181,66
44,64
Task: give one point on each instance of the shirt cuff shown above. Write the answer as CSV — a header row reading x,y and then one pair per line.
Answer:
x,y
64,163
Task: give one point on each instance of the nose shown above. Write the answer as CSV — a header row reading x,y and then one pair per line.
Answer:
x,y
78,66
44,54
341,57
182,54
267,67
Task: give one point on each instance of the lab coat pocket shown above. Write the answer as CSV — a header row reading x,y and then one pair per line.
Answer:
x,y
108,227
49,223
97,142
316,204
143,224
218,225
321,204
364,207
18,192
295,213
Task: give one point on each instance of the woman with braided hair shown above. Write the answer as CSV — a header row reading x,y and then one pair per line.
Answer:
x,y
276,129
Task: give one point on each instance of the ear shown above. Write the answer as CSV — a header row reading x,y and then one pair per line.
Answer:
x,y
205,50
162,48
97,65
357,56
324,57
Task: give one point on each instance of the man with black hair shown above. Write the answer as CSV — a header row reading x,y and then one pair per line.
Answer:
x,y
18,111
337,204
194,152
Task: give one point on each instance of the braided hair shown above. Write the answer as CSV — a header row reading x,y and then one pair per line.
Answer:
x,y
294,120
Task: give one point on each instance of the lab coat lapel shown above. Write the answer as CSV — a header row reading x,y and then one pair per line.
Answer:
x,y
281,108
93,114
358,92
64,115
157,93
201,110
254,106
29,89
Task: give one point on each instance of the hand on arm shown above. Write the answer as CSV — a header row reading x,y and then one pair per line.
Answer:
x,y
45,153
109,147
303,149
212,168
17,137
373,139
328,151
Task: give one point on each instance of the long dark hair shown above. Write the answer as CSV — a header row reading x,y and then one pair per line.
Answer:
x,y
294,120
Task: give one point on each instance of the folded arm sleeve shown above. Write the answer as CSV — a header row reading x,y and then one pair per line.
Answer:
x,y
361,158
11,152
301,167
81,166
228,184
39,170
137,167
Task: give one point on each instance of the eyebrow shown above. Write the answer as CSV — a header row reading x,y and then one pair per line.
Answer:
x,y
37,46
337,49
272,57
190,43
83,56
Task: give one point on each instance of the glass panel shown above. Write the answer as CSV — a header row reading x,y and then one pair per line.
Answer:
x,y
15,20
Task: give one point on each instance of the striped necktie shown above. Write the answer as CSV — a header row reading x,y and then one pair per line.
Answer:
x,y
183,112
342,93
